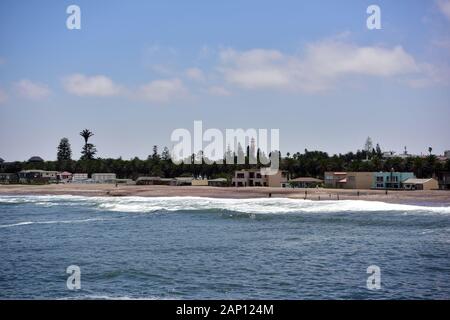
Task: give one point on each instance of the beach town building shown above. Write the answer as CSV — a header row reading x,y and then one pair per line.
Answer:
x,y
31,176
103,177
79,177
358,180
64,176
148,181
305,182
37,176
420,184
260,178
219,182
390,180
157,181
178,181
334,179
348,180
8,178
51,176
183,181
200,182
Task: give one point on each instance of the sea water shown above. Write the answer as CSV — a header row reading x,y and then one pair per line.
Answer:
x,y
203,248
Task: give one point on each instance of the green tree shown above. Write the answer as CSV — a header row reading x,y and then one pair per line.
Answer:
x,y
64,150
88,152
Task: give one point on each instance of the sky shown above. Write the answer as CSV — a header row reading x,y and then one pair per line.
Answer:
x,y
138,70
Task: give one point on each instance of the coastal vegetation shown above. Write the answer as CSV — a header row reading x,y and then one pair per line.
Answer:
x,y
306,163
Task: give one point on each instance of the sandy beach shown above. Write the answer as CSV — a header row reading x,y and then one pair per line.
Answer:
x,y
432,198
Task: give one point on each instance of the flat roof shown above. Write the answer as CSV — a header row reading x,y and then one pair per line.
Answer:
x,y
417,181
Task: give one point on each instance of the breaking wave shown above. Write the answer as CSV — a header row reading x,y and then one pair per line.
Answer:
x,y
249,206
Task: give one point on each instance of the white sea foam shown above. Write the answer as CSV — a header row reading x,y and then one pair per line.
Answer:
x,y
256,206
251,206
16,224
49,222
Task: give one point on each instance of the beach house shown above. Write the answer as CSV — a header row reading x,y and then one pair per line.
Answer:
x,y
390,180
51,176
64,176
79,177
218,182
31,176
7,178
260,178
420,184
103,177
348,180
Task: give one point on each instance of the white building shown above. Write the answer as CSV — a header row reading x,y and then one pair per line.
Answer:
x,y
79,177
104,177
51,175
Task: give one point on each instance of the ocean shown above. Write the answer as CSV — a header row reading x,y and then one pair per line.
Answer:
x,y
203,248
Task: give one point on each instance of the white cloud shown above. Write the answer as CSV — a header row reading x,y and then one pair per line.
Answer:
x,y
98,85
322,65
195,74
218,91
444,7
32,90
162,90
430,75
158,91
3,96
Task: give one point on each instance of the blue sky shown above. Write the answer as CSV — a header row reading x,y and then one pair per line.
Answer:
x,y
138,70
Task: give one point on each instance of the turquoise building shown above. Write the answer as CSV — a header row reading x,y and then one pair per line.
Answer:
x,y
390,180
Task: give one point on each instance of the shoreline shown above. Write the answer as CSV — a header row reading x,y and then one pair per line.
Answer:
x,y
417,197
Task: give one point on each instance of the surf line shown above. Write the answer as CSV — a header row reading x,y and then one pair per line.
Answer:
x,y
187,310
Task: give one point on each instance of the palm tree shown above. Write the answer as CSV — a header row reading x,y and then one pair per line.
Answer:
x,y
86,134
89,149
430,149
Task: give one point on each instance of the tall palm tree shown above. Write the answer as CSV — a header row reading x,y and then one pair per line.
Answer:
x,y
89,149
86,134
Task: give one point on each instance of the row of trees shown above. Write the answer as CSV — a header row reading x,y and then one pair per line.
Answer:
x,y
309,163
